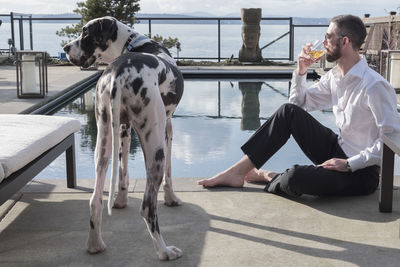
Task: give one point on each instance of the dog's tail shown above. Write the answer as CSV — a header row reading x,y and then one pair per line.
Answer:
x,y
115,116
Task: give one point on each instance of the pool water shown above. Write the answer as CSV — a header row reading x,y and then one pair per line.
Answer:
x,y
210,124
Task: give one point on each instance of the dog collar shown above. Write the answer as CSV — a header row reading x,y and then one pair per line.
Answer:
x,y
129,40
133,43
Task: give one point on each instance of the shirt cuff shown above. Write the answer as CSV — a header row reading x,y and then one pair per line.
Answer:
x,y
299,79
356,162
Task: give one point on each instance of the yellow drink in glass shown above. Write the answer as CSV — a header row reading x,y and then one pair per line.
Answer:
x,y
316,54
317,49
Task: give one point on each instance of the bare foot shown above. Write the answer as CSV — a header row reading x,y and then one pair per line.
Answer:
x,y
259,176
223,179
233,176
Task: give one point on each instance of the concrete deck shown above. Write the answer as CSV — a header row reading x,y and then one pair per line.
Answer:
x,y
60,79
47,224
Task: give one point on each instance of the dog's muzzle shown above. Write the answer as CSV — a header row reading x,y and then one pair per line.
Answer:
x,y
67,48
78,59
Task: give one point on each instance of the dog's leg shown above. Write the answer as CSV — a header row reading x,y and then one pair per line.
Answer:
x,y
149,207
170,197
154,148
102,155
115,102
125,136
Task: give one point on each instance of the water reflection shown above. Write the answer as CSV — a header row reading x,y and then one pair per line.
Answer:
x,y
250,105
210,124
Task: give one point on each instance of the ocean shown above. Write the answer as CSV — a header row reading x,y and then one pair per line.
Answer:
x,y
197,40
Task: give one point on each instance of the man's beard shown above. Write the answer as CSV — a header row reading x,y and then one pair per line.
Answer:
x,y
335,54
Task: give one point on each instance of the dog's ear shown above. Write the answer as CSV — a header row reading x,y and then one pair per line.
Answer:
x,y
107,30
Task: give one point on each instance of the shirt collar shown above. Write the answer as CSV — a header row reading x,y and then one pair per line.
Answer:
x,y
359,68
356,71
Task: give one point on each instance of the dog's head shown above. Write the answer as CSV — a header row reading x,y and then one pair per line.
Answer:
x,y
95,39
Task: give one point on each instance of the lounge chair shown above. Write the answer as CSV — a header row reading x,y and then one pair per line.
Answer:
x,y
29,143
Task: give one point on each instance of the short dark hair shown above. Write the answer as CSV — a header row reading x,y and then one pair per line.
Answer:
x,y
352,27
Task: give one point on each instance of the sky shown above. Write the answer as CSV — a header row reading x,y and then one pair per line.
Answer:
x,y
291,8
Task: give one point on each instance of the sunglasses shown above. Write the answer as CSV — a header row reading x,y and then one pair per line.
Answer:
x,y
331,36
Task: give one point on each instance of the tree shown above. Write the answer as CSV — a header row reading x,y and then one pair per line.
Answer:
x,y
167,42
123,10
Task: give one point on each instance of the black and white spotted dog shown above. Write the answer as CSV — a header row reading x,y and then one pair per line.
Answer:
x,y
140,88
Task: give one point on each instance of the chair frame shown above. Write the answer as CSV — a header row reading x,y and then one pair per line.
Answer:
x,y
391,146
17,180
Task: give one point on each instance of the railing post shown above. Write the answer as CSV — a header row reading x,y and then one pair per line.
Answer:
x,y
30,32
12,32
21,33
149,28
219,40
291,40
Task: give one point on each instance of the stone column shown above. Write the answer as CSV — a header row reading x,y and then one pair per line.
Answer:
x,y
250,51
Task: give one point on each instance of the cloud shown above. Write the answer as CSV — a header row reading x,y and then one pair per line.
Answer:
x,y
37,6
302,8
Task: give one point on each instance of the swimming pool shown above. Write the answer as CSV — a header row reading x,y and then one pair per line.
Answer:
x,y
210,124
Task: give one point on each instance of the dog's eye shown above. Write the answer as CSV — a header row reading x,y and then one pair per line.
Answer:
x,y
84,31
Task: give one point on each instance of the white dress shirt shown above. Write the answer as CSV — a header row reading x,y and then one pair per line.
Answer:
x,y
364,105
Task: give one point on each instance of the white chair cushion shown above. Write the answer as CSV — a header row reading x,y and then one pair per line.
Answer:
x,y
25,137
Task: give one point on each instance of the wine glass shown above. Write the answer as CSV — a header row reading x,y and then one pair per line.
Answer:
x,y
317,49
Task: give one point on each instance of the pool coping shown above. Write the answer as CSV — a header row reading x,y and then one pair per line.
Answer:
x,y
50,104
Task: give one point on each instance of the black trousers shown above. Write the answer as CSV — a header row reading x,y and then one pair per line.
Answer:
x,y
319,144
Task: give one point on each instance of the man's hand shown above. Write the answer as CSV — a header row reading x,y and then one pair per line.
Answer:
x,y
304,60
335,164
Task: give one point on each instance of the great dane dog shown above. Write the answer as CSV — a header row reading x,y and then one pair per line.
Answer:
x,y
140,88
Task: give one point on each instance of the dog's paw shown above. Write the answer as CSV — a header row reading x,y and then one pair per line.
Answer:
x,y
96,246
172,200
173,203
96,250
120,204
171,253
122,200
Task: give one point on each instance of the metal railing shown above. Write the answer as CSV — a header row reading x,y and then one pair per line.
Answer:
x,y
24,17
27,17
218,20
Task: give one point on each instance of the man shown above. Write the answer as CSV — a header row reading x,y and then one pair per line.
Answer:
x,y
364,106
